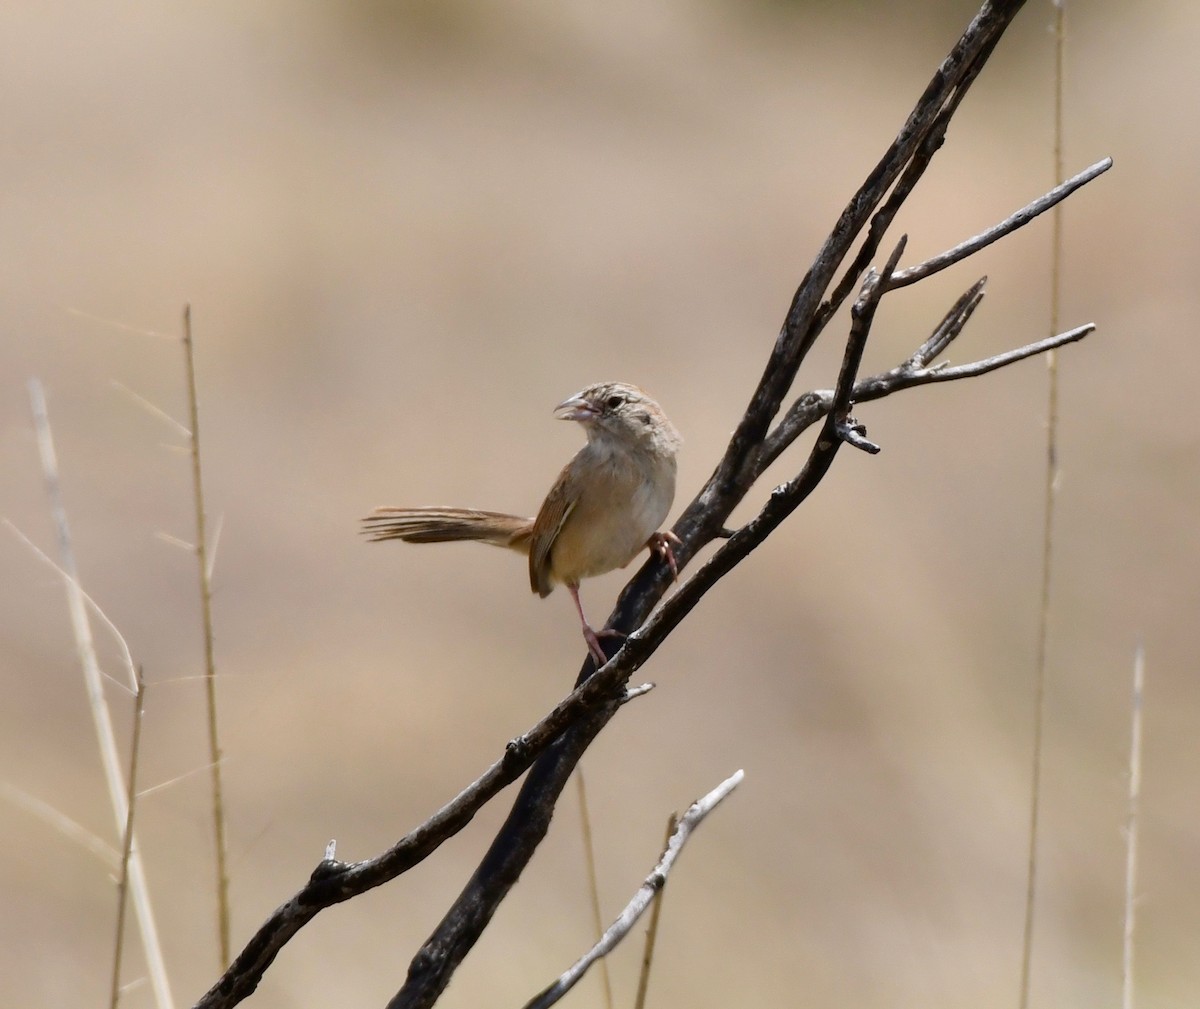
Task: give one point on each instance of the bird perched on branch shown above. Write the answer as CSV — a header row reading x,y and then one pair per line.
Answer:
x,y
604,508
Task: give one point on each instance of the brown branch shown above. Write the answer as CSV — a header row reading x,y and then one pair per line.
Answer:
x,y
529,819
551,749
333,882
953,323
908,378
636,907
807,316
813,406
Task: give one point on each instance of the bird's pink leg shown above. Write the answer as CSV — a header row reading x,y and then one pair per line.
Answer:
x,y
590,636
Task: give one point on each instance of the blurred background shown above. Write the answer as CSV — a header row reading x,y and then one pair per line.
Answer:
x,y
406,231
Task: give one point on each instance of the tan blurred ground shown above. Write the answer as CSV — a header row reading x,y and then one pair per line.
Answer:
x,y
406,232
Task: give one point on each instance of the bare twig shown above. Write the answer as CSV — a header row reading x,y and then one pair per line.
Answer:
x,y
641,644
106,738
333,882
952,324
784,499
210,671
808,314
862,315
812,406
654,883
877,388
1131,827
552,749
139,707
703,520
912,274
652,932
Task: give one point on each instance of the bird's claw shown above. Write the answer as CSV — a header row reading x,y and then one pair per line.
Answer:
x,y
662,546
599,656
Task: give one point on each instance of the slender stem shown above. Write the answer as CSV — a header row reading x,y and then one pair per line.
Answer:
x,y
139,707
639,1001
589,851
1048,507
1131,826
210,673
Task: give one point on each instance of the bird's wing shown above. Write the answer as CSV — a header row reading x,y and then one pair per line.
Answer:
x,y
555,511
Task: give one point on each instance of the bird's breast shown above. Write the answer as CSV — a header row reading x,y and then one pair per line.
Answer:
x,y
620,506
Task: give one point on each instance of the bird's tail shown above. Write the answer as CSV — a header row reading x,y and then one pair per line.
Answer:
x,y
441,525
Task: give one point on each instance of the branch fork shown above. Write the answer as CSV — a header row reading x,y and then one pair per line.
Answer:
x,y
553,747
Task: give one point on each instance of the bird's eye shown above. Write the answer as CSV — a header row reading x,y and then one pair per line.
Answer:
x,y
614,401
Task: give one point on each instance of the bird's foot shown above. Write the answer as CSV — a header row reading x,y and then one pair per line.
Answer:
x,y
592,637
594,647
662,546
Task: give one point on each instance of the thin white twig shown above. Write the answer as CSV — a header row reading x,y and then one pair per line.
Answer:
x,y
657,879
106,737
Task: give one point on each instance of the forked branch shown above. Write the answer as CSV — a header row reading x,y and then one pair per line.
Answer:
x,y
551,749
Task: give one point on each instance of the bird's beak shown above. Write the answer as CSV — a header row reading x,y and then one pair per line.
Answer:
x,y
575,408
